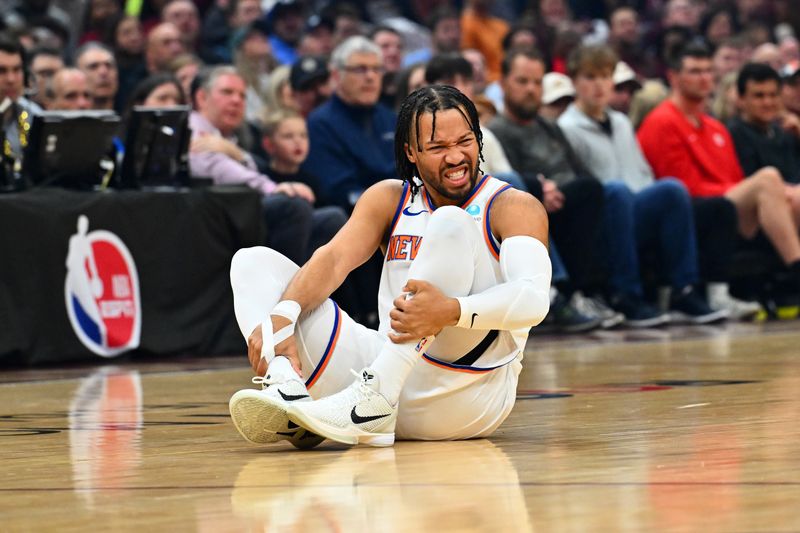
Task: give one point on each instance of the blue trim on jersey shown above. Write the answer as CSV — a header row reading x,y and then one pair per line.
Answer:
x,y
469,368
430,201
492,240
469,196
399,206
327,353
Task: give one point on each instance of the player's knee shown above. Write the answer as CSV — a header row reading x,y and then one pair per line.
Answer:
x,y
246,262
447,222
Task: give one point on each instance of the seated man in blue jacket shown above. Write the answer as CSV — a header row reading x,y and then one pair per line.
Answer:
x,y
352,135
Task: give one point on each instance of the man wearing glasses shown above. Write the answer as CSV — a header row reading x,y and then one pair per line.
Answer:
x,y
43,65
352,135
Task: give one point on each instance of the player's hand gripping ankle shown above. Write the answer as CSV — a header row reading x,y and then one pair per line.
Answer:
x,y
287,348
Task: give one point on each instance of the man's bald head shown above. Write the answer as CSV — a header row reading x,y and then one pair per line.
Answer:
x,y
71,90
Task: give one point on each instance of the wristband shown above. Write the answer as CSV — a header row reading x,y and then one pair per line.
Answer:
x,y
288,309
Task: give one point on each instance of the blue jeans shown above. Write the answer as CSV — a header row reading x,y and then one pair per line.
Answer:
x,y
659,217
559,270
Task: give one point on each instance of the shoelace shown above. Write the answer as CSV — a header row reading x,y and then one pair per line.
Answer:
x,y
264,381
363,388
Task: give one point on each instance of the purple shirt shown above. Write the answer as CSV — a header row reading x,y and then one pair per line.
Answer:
x,y
221,168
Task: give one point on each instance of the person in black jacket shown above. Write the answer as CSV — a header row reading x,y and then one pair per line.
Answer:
x,y
760,135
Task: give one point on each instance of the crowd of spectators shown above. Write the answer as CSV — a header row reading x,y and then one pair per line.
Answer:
x,y
662,136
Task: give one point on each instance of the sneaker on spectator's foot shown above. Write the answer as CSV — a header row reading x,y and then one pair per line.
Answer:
x,y
595,306
783,306
565,318
783,297
638,313
737,309
357,414
687,306
260,415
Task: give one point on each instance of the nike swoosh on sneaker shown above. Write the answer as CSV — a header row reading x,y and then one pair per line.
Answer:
x,y
292,397
363,419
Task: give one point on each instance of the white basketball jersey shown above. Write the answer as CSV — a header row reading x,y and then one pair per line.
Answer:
x,y
461,349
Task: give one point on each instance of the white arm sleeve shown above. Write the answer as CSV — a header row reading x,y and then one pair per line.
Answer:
x,y
522,300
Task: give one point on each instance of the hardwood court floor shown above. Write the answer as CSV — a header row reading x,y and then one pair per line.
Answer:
x,y
677,430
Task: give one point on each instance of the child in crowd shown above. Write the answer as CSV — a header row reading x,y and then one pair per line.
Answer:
x,y
286,141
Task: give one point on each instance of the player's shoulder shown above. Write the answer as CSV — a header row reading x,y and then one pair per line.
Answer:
x,y
513,202
516,212
392,188
382,196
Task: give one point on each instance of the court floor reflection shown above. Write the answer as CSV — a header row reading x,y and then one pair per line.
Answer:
x,y
411,487
105,422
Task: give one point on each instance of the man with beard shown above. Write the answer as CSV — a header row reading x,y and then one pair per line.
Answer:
x,y
466,274
573,197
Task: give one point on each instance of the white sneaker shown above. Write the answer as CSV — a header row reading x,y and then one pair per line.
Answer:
x,y
357,414
738,309
260,415
596,307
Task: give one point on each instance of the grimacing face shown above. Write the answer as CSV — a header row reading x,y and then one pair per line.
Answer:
x,y
447,157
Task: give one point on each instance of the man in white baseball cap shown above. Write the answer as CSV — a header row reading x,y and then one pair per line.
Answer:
x,y
557,93
626,83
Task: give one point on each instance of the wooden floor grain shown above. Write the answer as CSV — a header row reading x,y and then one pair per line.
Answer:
x,y
672,430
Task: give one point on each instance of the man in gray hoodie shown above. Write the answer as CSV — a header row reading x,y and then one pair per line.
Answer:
x,y
660,213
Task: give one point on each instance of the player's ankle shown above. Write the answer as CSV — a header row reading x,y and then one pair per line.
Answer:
x,y
281,369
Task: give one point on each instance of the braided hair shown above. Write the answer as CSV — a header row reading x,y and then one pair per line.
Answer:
x,y
429,99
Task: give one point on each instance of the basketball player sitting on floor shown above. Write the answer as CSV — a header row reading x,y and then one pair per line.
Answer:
x,y
466,275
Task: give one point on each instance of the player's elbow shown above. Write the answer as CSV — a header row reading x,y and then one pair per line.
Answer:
x,y
531,304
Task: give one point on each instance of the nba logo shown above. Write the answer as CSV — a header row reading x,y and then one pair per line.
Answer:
x,y
101,291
